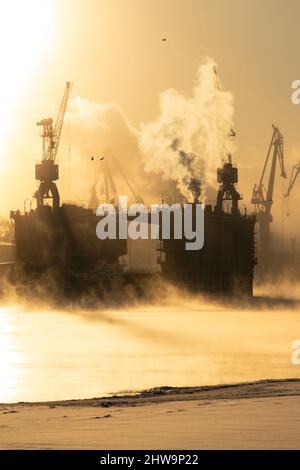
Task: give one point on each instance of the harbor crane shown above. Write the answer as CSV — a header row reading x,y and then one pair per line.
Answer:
x,y
104,179
294,175
262,196
47,170
108,189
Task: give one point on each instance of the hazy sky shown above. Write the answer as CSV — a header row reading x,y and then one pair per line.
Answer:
x,y
112,51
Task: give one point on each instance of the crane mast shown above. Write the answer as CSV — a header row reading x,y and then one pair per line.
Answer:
x,y
262,197
47,170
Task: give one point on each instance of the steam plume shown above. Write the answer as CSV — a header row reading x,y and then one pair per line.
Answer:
x,y
191,135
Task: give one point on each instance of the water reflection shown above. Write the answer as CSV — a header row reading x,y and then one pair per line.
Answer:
x,y
47,355
10,358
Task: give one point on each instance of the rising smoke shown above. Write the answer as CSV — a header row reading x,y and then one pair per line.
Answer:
x,y
191,135
177,153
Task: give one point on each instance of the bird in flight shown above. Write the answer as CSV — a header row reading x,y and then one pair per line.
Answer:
x,y
93,158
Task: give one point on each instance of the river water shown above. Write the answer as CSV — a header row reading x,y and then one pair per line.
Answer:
x,y
56,355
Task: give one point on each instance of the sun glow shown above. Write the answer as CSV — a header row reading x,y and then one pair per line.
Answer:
x,y
25,33
10,358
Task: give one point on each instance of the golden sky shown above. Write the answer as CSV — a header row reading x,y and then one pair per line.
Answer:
x,y
112,51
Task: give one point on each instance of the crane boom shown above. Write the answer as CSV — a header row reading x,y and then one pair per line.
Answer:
x,y
51,135
295,173
60,117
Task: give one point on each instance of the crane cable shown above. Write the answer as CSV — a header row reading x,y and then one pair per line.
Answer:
x,y
282,213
